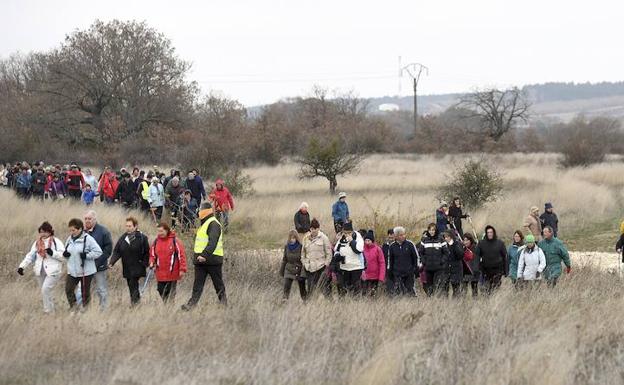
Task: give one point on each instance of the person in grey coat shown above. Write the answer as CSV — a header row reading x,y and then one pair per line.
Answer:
x,y
81,251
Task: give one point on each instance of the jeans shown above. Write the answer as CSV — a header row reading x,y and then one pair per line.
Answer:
x,y
302,287
167,290
216,275
224,218
47,283
70,287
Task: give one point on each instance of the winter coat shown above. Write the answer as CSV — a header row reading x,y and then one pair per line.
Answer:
x,y
133,250
340,212
471,266
104,239
84,243
433,252
88,197
222,198
52,265
555,253
402,259
513,253
126,192
173,194
533,225
74,180
455,217
550,219
375,263
530,263
456,261
317,252
156,196
168,257
196,185
302,222
57,189
442,221
291,267
351,252
24,181
39,181
492,253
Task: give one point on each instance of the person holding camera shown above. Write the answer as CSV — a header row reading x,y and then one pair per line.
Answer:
x,y
81,251
47,255
348,261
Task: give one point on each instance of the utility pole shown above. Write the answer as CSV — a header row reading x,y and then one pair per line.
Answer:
x,y
414,70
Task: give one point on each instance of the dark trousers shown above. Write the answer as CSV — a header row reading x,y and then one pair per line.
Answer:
x,y
437,281
167,290
404,285
302,287
349,282
70,289
22,192
216,275
319,279
145,206
492,277
133,288
370,287
158,212
474,286
76,194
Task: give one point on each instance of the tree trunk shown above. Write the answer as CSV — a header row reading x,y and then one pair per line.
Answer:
x,y
332,185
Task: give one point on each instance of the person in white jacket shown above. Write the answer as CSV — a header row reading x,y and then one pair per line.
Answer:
x,y
532,261
348,260
156,198
47,255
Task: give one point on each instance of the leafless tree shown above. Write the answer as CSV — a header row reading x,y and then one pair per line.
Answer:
x,y
498,111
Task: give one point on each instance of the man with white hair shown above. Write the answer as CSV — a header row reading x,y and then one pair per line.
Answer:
x,y
302,219
103,238
403,261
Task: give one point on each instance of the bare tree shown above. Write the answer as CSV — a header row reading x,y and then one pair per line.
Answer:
x,y
497,110
328,161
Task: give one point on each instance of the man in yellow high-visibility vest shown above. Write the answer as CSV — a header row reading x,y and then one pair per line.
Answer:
x,y
208,256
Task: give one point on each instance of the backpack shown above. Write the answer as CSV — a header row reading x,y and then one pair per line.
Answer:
x,y
176,255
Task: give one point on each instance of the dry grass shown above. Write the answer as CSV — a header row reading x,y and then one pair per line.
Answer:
x,y
569,335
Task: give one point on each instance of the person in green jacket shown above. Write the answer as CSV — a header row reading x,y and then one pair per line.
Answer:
x,y
555,253
513,252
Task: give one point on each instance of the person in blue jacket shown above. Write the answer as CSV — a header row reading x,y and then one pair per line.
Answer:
x,y
340,212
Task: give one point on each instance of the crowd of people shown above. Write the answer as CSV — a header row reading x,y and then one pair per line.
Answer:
x,y
151,191
445,260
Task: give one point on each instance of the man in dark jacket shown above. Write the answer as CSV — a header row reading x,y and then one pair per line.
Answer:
x,y
196,185
103,238
386,249
39,181
492,255
208,258
434,254
302,219
402,263
134,251
456,215
549,218
126,193
455,261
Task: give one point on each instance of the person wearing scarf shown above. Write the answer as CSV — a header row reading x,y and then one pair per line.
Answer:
x,y
133,250
47,255
513,252
292,267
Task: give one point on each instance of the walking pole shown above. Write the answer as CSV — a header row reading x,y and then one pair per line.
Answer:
x,y
474,232
149,274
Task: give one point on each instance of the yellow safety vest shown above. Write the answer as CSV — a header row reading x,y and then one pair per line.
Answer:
x,y
145,191
201,239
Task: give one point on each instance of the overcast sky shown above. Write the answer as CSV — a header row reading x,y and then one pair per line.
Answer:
x,y
259,51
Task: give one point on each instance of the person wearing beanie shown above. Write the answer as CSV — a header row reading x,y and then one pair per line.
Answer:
x,y
531,262
208,257
513,253
549,218
348,261
492,255
532,224
302,219
375,272
316,256
340,212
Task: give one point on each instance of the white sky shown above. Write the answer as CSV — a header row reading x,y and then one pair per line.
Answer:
x,y
260,51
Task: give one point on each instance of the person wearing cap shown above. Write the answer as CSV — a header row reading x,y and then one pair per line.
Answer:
x,y
302,219
375,272
531,261
208,257
156,198
442,219
549,218
532,224
340,212
556,253
348,261
75,182
223,202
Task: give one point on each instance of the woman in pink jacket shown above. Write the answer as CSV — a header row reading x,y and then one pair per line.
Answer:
x,y
375,270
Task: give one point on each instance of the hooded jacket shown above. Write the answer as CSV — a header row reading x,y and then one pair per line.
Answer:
x,y
492,252
456,261
168,257
530,263
108,185
375,263
292,267
302,222
222,198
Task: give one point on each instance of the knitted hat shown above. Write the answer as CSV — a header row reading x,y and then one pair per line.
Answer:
x,y
529,239
348,226
548,206
370,235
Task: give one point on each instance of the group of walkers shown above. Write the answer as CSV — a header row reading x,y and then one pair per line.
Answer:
x,y
151,191
89,253
445,260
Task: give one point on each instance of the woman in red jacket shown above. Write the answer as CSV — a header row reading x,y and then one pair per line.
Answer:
x,y
375,271
167,255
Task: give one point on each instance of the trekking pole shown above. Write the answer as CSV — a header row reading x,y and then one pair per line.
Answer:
x,y
474,232
149,274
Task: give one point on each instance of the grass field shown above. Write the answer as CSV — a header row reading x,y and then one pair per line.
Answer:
x,y
572,334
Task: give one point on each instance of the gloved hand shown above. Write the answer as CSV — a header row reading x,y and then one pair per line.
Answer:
x,y
20,271
66,254
568,270
83,256
49,251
